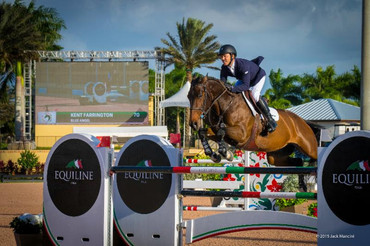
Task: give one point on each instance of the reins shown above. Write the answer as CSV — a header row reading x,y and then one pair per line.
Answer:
x,y
205,112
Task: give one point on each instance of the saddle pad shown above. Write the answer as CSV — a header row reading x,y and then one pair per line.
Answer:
x,y
274,114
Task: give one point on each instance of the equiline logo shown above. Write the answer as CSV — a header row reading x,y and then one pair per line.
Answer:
x,y
143,177
74,172
76,164
357,174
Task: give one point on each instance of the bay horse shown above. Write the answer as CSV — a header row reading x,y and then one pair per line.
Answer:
x,y
229,118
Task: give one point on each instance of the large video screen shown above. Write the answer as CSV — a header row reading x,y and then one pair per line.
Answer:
x,y
92,93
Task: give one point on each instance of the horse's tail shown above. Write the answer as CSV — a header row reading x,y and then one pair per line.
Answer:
x,y
316,128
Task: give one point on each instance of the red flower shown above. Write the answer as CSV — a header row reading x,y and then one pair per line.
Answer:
x,y
228,177
257,174
274,187
239,153
261,155
315,212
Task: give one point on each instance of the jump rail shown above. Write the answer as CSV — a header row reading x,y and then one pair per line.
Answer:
x,y
199,208
251,194
205,161
216,170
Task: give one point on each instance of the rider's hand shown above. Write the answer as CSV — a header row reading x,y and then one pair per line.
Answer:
x,y
228,86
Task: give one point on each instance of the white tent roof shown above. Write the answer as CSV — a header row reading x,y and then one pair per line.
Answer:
x,y
180,99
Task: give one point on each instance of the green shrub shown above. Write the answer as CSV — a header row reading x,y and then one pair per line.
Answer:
x,y
312,210
283,203
193,176
28,159
290,184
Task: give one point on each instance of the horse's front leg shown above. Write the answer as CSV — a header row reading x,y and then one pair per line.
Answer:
x,y
202,133
222,147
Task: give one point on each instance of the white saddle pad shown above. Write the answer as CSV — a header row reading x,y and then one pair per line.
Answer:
x,y
274,112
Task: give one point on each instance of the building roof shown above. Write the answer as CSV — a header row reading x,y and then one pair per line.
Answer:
x,y
327,110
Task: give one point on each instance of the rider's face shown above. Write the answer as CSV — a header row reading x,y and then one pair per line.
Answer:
x,y
226,58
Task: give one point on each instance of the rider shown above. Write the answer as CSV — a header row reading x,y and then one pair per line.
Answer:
x,y
250,77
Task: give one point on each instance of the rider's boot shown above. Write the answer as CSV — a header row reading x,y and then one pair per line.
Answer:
x,y
271,123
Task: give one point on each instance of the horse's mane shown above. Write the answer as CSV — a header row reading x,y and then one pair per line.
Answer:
x,y
199,79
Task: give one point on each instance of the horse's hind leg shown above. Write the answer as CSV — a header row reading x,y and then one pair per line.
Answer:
x,y
282,158
306,141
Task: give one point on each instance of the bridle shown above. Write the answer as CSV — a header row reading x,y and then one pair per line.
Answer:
x,y
204,109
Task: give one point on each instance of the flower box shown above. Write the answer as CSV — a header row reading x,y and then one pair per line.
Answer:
x,y
27,229
28,239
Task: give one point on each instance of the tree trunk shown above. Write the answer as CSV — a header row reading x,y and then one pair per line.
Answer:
x,y
19,104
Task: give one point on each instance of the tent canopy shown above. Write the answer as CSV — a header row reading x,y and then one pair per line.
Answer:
x,y
180,99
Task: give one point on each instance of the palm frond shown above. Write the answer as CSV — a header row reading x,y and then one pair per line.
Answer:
x,y
193,48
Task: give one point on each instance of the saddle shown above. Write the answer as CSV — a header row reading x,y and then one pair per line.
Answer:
x,y
252,104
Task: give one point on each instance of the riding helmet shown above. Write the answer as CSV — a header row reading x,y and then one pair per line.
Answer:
x,y
227,49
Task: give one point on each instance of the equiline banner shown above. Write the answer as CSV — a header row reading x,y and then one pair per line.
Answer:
x,y
77,205
74,176
149,196
344,179
136,189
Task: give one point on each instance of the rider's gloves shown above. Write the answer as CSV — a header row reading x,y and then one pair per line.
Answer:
x,y
228,86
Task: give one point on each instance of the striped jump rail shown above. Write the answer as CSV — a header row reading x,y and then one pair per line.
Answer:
x,y
216,170
251,194
205,161
199,208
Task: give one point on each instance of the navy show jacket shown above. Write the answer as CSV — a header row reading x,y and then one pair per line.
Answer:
x,y
248,72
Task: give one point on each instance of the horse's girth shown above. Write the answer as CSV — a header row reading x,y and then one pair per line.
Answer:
x,y
251,142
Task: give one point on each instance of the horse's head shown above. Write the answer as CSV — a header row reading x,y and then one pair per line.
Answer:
x,y
203,95
197,97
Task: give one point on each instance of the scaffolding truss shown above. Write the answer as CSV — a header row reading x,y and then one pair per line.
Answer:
x,y
29,69
98,55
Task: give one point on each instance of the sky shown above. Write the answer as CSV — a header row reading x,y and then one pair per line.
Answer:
x,y
293,35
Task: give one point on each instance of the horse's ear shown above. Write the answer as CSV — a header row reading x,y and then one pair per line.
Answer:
x,y
205,78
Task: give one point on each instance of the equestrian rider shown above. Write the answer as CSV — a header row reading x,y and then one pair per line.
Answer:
x,y
250,77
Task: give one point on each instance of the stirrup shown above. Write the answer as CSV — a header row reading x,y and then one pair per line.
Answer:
x,y
271,126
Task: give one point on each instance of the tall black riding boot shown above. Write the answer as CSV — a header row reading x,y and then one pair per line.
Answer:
x,y
271,123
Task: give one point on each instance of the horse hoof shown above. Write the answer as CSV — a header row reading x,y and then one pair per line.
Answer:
x,y
216,158
222,152
229,155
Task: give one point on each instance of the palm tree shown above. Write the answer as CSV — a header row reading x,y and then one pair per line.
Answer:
x,y
49,24
17,33
7,94
284,92
25,28
321,85
193,48
349,84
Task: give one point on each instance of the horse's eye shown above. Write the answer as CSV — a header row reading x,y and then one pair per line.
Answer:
x,y
200,95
